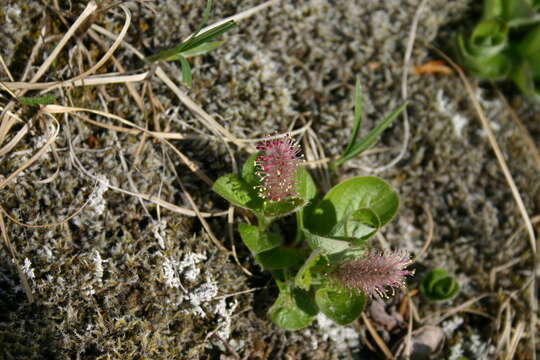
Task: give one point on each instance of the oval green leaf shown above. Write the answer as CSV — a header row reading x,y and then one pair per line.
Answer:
x,y
340,305
258,241
238,192
286,313
281,258
366,192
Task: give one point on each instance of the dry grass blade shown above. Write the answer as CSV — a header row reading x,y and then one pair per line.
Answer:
x,y
6,69
429,238
35,157
195,208
452,311
90,8
378,339
106,56
515,193
11,249
523,130
102,79
58,109
518,334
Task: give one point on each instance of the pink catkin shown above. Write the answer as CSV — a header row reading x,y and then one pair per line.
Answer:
x,y
277,167
375,273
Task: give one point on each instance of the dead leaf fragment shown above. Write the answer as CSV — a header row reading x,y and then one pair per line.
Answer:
x,y
433,67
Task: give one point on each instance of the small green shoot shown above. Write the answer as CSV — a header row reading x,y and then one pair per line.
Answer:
x,y
437,285
355,147
37,100
198,44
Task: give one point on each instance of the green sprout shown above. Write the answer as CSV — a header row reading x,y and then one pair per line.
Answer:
x,y
437,285
198,44
505,44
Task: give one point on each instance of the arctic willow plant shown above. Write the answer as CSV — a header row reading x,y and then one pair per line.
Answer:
x,y
329,266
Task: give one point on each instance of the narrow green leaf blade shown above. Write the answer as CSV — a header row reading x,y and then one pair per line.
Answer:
x,y
201,49
37,100
358,107
371,137
186,71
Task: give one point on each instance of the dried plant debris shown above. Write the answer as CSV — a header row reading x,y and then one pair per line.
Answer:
x,y
123,281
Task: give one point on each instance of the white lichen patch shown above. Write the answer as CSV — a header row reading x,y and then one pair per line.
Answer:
x,y
343,337
158,229
98,263
27,269
203,294
446,108
225,317
188,266
96,202
481,350
451,325
169,272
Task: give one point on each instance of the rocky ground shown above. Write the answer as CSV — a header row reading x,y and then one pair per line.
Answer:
x,y
126,279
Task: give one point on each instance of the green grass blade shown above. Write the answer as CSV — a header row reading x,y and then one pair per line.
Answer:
x,y
193,42
206,14
38,100
201,49
207,36
371,137
186,71
358,107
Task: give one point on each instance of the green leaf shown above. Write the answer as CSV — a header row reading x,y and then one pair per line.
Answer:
x,y
249,170
281,258
307,190
186,71
238,192
199,50
291,312
207,36
530,44
483,53
193,42
353,252
305,185
516,11
303,277
370,138
283,207
358,106
206,15
492,9
339,304
526,80
258,241
326,244
358,226
366,192
37,100
437,285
